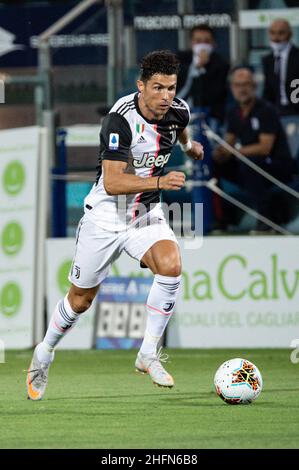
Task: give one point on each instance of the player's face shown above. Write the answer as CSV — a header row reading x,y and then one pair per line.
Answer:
x,y
243,86
157,94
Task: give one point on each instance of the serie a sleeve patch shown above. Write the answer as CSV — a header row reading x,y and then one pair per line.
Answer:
x,y
113,141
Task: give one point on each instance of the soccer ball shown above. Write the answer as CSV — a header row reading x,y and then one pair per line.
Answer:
x,y
238,382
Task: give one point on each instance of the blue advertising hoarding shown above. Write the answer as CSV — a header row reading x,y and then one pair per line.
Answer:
x,y
21,24
122,314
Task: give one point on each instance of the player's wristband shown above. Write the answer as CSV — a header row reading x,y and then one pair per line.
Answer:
x,y
158,188
186,147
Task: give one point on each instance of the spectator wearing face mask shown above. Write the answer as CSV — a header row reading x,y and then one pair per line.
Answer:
x,y
202,80
280,67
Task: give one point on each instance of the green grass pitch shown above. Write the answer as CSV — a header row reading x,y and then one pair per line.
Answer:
x,y
95,399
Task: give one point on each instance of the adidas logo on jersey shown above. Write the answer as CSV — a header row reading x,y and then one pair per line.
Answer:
x,y
141,140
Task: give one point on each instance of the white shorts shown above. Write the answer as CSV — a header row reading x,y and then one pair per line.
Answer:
x,y
97,249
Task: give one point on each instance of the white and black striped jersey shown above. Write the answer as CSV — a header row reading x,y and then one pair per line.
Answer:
x,y
145,145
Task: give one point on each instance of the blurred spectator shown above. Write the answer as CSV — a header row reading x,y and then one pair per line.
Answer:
x,y
280,67
203,74
254,127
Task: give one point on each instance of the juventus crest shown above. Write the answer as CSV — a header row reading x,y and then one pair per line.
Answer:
x,y
173,136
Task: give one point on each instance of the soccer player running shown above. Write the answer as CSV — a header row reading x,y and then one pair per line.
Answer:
x,y
123,213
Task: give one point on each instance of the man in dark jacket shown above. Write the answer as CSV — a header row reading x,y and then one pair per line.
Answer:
x,y
280,68
203,76
254,125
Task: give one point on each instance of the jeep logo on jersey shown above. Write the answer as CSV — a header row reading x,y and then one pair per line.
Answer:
x,y
148,161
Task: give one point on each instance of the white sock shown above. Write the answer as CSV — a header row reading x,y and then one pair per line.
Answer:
x,y
62,321
160,306
44,352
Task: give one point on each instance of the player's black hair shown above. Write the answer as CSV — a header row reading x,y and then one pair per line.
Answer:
x,y
163,62
202,27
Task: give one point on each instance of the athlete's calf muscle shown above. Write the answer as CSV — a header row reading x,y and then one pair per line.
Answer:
x,y
81,299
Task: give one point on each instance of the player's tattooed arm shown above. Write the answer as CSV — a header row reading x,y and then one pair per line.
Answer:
x,y
116,181
192,148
